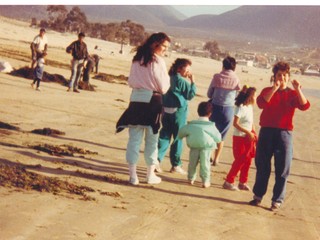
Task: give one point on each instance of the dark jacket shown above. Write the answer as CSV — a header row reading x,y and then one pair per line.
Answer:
x,y
78,50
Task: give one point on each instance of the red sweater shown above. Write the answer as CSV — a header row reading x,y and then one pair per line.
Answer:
x,y
279,111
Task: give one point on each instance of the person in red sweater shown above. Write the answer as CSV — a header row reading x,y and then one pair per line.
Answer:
x,y
278,104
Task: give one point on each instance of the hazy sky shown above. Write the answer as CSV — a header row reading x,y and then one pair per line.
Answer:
x,y
192,10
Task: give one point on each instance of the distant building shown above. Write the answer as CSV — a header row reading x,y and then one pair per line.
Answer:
x,y
312,71
243,62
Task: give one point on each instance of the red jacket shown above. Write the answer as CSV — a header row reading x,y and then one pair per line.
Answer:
x,y
278,113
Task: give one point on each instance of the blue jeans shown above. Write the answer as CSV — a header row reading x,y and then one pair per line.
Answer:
x,y
222,116
77,66
278,143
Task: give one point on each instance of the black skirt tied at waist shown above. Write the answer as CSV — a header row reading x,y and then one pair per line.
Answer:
x,y
141,113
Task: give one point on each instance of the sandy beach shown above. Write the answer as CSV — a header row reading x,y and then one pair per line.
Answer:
x,y
110,208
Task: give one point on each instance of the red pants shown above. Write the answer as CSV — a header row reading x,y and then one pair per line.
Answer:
x,y
244,150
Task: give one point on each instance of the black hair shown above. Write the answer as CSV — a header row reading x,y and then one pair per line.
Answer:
x,y
81,34
229,63
204,109
281,66
245,96
179,63
145,52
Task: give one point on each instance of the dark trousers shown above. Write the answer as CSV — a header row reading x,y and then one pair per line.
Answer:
x,y
277,143
37,80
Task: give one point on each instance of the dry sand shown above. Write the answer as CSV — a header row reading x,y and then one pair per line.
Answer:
x,y
170,210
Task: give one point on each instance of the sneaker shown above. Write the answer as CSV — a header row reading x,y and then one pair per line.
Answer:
x,y
158,168
178,169
76,90
244,186
134,181
206,185
32,85
275,206
229,186
153,179
191,182
255,202
215,163
68,90
37,89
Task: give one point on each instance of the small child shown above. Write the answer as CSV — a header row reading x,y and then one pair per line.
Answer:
x,y
244,139
202,137
38,70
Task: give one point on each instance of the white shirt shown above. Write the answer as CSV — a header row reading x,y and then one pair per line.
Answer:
x,y
153,77
41,62
40,42
245,115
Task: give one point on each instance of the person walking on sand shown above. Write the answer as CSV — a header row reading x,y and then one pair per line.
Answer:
x,y
278,104
79,52
149,80
244,139
222,92
38,46
202,136
175,103
38,70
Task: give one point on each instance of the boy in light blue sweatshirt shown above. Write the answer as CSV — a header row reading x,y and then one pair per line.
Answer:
x,y
202,137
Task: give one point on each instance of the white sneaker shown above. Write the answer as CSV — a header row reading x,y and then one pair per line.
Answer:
x,y
191,182
206,184
178,169
230,186
153,179
158,168
134,181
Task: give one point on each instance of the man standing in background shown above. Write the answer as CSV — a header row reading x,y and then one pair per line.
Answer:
x,y
79,52
38,46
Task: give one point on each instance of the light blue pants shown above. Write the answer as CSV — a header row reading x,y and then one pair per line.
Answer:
x,y
151,145
77,66
202,156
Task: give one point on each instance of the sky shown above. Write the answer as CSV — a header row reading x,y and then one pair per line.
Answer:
x,y
187,7
193,10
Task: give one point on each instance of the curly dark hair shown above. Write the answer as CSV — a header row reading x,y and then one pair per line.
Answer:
x,y
281,66
145,52
245,96
179,63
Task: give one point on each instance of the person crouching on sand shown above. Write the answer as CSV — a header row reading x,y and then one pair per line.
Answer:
x,y
278,104
149,80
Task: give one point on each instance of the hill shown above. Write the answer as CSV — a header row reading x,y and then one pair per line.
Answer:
x,y
289,25
293,24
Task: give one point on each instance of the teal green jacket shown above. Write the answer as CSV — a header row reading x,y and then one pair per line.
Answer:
x,y
179,93
200,134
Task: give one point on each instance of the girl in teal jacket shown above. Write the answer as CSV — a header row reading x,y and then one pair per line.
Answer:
x,y
175,111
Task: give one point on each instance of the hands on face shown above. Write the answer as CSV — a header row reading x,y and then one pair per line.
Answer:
x,y
190,76
296,84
